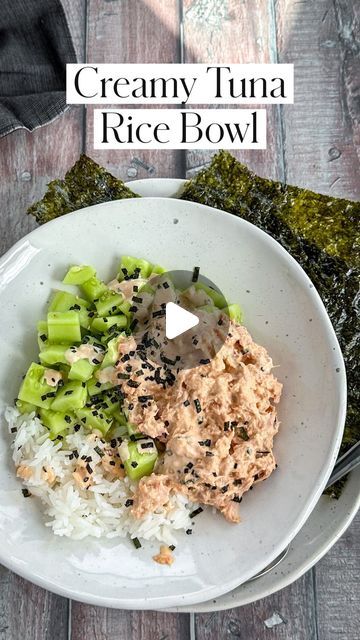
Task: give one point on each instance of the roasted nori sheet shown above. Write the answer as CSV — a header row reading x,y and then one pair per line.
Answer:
x,y
85,184
304,223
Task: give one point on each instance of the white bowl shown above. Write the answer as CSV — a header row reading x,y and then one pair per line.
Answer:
x,y
283,312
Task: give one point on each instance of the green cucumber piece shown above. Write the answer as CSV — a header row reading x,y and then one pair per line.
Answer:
x,y
101,325
112,353
65,301
54,354
93,288
218,299
108,304
63,326
139,464
34,389
209,308
133,430
81,370
99,421
70,397
124,307
157,268
79,274
117,431
234,312
57,422
94,387
42,335
131,264
25,407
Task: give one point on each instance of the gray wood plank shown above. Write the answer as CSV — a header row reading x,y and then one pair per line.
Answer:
x,y
27,162
28,612
322,129
234,32
338,588
126,32
96,623
293,606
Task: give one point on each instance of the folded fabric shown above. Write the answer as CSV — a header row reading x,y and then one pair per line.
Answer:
x,y
35,45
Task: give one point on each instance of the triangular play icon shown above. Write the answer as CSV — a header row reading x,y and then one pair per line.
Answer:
x,y
178,320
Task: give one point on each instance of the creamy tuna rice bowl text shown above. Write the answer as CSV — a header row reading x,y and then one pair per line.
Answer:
x,y
118,430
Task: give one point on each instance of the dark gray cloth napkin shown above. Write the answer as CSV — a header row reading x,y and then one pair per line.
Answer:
x,y
35,45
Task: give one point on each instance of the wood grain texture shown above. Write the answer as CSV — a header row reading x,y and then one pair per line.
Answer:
x,y
135,31
28,612
322,128
294,605
235,32
96,623
27,162
338,588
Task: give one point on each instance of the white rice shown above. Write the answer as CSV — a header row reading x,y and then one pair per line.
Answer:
x,y
98,511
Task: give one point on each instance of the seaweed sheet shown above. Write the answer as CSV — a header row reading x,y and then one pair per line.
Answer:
x,y
85,184
305,224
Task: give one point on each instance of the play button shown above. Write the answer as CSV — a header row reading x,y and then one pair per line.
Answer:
x,y
178,320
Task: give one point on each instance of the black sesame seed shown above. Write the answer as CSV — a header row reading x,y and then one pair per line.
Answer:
x,y
129,502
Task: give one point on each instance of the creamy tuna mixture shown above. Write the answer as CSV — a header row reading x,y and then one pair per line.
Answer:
x,y
213,423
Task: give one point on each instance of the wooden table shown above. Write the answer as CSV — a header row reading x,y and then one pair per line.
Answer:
x,y
315,143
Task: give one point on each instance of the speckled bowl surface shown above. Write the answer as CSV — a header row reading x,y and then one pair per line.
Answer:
x,y
282,311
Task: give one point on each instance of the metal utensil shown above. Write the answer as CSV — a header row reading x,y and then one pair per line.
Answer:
x,y
344,465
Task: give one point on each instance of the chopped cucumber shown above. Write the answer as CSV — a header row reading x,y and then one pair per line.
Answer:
x,y
117,431
81,370
54,354
65,301
70,397
133,430
63,326
112,352
34,389
139,464
93,288
218,298
130,266
57,422
234,312
25,407
158,269
94,419
42,330
125,308
109,303
79,274
94,387
100,325
209,308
